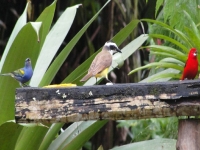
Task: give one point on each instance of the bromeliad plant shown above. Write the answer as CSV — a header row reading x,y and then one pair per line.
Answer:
x,y
40,42
24,43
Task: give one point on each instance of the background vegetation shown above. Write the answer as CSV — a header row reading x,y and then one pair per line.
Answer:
x,y
82,30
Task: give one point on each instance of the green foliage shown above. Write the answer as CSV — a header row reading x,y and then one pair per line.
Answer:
x,y
156,144
178,27
159,3
20,23
151,128
182,44
173,12
52,42
51,72
162,130
11,136
75,135
182,15
24,43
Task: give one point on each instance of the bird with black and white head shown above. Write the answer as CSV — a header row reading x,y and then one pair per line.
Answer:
x,y
102,62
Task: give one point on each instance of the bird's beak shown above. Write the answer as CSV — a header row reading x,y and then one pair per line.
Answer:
x,y
118,50
195,53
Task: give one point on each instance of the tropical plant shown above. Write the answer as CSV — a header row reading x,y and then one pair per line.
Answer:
x,y
177,25
40,42
177,39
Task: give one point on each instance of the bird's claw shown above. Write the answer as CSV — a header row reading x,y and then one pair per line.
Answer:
x,y
109,83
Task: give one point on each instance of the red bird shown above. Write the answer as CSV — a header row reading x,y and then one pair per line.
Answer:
x,y
191,65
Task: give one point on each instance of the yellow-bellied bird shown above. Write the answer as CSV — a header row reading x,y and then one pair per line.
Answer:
x,y
102,62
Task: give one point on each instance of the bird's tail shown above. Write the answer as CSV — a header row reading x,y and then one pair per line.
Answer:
x,y
6,74
86,77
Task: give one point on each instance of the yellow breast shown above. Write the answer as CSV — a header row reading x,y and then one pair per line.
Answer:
x,y
103,73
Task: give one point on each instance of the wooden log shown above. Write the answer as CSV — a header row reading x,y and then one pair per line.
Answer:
x,y
114,102
188,134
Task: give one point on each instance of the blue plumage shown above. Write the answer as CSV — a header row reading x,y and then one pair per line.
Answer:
x,y
22,75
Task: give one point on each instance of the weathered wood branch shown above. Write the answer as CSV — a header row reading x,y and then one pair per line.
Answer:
x,y
115,102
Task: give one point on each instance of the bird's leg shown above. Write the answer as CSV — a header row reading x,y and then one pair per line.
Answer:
x,y
21,84
110,83
96,80
108,80
25,85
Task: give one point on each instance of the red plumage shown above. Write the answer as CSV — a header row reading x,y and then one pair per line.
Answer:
x,y
191,65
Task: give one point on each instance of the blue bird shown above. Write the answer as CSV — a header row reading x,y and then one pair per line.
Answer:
x,y
22,75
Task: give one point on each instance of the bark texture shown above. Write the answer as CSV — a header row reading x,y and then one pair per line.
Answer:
x,y
113,102
188,135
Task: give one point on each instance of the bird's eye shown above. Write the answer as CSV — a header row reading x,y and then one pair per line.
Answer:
x,y
112,47
27,59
